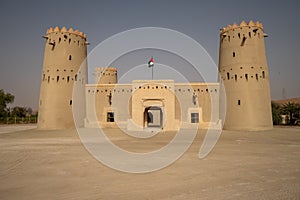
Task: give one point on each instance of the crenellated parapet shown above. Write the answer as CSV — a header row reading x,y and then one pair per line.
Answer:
x,y
64,30
106,69
242,24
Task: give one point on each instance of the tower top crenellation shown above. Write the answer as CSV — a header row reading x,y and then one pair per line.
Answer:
x,y
101,69
242,24
64,30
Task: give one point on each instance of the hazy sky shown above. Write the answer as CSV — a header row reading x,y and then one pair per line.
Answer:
x,y
24,22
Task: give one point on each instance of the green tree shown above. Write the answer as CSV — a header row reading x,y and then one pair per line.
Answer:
x,y
297,114
276,113
5,98
28,111
292,110
19,111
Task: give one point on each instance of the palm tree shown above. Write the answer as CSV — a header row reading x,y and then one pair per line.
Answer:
x,y
276,113
292,110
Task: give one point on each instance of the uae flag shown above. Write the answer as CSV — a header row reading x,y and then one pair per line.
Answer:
x,y
151,63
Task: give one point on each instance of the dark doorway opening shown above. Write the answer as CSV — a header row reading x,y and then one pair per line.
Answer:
x,y
153,117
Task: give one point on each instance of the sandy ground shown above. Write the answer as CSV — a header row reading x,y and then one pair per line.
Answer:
x,y
243,165
13,128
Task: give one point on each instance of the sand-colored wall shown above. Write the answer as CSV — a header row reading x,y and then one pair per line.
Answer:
x,y
129,101
65,52
207,96
244,71
103,98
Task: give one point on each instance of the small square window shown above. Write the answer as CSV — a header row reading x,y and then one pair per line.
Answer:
x,y
110,117
194,117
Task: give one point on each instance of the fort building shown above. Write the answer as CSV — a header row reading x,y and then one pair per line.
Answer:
x,y
160,104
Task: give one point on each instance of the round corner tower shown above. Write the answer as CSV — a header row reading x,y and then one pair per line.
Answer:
x,y
105,75
244,71
64,65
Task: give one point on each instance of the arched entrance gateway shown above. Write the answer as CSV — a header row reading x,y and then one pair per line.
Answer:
x,y
153,117
153,106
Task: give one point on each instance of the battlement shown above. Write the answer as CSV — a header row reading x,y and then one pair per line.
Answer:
x,y
242,24
64,30
107,69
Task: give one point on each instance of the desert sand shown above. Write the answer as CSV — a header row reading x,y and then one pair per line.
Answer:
x,y
243,165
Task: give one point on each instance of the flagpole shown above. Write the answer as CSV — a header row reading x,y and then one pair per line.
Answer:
x,y
152,71
151,64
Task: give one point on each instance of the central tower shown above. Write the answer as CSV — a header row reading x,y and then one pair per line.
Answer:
x,y
244,71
